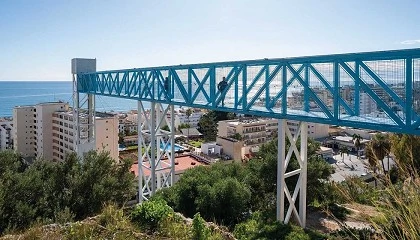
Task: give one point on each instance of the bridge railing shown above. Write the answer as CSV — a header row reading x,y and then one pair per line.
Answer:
x,y
377,90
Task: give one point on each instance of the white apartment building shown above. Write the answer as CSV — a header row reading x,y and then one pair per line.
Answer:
x,y
125,125
6,133
366,104
46,130
250,133
315,130
106,132
182,118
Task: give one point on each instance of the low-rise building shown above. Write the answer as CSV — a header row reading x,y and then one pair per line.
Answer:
x,y
248,134
6,133
181,117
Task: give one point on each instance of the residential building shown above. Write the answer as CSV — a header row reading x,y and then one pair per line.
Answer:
x,y
106,134
6,133
46,130
126,126
315,130
366,104
182,118
241,137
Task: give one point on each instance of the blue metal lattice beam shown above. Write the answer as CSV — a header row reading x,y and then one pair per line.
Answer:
x,y
372,90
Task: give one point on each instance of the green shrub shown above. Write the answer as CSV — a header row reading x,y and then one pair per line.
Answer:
x,y
113,218
175,228
356,190
338,211
79,230
200,230
151,213
259,227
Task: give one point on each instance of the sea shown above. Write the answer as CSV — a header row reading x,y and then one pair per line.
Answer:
x,y
23,93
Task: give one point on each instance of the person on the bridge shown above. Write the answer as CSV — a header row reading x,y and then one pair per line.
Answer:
x,y
167,86
221,87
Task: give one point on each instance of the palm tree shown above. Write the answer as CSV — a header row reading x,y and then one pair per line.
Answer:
x,y
381,147
188,113
357,139
343,150
373,163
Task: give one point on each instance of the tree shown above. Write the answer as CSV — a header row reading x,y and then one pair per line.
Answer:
x,y
45,189
357,139
221,116
121,138
166,128
208,126
343,151
188,113
183,125
381,147
218,192
406,149
372,160
263,174
237,136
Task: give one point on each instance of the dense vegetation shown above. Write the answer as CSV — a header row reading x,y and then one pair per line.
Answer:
x,y
242,196
238,196
57,192
151,220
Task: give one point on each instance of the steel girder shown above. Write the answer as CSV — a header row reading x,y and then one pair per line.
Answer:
x,y
156,153
374,90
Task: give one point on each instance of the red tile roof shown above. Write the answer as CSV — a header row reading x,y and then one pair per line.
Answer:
x,y
182,163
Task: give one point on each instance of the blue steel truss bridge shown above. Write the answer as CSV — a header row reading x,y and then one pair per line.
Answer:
x,y
372,90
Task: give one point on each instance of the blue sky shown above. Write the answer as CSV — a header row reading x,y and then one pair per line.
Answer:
x,y
39,38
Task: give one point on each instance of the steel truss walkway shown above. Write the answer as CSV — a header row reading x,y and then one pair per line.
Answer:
x,y
374,90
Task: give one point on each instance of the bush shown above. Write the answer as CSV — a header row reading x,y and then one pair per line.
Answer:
x,y
356,190
150,214
113,218
259,227
200,230
217,192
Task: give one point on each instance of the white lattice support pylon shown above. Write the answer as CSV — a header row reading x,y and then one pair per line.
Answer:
x,y
283,160
156,158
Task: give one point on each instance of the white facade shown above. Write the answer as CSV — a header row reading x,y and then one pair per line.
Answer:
x,y
125,125
315,130
32,135
6,133
252,133
182,118
367,105
132,116
364,133
46,130
255,132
